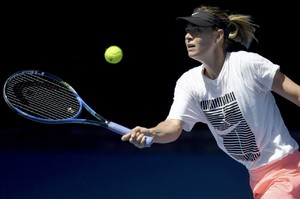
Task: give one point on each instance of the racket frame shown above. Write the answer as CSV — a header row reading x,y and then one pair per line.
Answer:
x,y
101,121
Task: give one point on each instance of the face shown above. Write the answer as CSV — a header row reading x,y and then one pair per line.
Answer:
x,y
200,41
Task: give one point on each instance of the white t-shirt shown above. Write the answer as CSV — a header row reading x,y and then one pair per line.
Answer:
x,y
238,107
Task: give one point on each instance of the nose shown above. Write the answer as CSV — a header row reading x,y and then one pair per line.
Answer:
x,y
188,37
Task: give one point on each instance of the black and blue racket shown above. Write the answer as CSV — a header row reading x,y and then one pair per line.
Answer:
x,y
46,98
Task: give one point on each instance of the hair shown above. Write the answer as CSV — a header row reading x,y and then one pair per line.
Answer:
x,y
240,27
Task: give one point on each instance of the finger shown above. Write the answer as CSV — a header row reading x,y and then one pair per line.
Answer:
x,y
125,137
140,138
134,134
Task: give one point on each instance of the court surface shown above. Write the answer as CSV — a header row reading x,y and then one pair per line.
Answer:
x,y
96,175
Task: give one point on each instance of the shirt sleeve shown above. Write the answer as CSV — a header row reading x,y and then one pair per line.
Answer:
x,y
185,106
262,70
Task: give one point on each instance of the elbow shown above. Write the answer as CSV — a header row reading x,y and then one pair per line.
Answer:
x,y
176,133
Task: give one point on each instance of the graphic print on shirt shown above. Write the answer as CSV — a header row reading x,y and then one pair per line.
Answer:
x,y
225,116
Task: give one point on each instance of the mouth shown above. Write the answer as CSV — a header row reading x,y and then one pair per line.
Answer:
x,y
190,46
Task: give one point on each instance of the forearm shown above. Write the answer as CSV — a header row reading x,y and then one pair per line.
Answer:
x,y
285,87
166,131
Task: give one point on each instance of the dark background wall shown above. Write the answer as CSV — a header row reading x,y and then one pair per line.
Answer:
x,y
70,39
74,161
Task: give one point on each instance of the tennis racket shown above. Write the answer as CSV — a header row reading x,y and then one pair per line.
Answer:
x,y
46,98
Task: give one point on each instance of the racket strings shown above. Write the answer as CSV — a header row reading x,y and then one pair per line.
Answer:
x,y
43,97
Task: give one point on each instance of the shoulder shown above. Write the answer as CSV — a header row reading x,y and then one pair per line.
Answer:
x,y
190,79
250,60
191,73
253,67
245,56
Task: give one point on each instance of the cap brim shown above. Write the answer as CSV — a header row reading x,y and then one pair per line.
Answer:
x,y
198,21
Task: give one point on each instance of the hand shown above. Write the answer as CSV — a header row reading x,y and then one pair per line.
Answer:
x,y
137,136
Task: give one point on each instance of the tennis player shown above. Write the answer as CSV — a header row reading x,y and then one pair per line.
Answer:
x,y
231,92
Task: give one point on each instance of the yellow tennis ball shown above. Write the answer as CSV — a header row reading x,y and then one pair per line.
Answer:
x,y
113,54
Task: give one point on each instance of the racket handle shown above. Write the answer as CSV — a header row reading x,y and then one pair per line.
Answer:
x,y
122,130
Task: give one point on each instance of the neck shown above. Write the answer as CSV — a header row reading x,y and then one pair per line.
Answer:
x,y
213,67
210,75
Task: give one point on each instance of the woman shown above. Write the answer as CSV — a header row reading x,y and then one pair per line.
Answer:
x,y
230,91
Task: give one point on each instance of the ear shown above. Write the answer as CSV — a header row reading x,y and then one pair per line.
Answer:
x,y
220,35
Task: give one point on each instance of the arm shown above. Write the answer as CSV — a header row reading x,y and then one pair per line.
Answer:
x,y
285,87
165,132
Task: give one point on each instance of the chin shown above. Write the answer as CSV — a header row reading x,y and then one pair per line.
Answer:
x,y
192,55
195,57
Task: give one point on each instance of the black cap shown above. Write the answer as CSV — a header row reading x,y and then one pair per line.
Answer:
x,y
202,18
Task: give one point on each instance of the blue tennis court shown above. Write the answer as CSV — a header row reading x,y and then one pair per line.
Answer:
x,y
118,170
44,175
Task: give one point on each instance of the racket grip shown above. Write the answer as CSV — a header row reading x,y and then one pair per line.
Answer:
x,y
122,130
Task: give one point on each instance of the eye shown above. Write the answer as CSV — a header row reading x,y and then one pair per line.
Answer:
x,y
194,30
198,30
